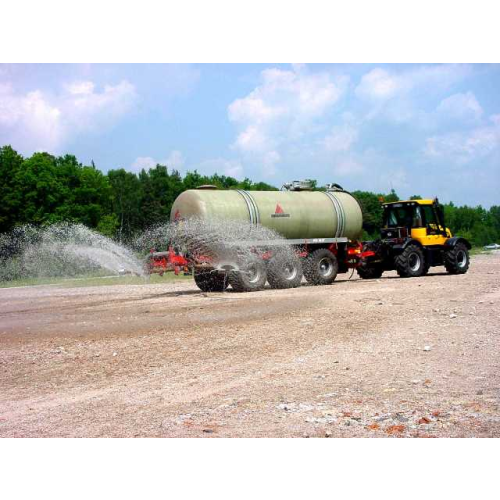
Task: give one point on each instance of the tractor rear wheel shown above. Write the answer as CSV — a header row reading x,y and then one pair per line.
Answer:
x,y
321,267
411,262
456,259
370,273
284,271
251,276
210,281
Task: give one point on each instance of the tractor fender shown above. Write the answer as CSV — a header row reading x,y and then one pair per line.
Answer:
x,y
451,242
399,248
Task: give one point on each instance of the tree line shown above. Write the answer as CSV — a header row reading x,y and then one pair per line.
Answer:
x,y
44,189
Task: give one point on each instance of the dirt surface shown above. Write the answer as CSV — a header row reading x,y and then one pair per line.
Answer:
x,y
389,357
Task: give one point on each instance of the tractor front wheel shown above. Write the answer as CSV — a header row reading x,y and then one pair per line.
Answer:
x,y
456,259
411,262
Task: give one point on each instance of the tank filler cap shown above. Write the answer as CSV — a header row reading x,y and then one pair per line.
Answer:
x,y
305,185
334,187
207,186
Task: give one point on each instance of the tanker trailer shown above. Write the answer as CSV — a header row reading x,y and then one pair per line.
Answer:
x,y
322,229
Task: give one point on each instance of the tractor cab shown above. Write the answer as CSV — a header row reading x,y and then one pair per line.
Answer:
x,y
422,220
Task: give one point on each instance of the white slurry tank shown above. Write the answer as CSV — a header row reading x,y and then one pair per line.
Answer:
x,y
296,215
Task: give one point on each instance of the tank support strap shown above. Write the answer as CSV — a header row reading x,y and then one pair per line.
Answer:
x,y
253,211
339,210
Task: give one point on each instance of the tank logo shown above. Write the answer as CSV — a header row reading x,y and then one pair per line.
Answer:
x,y
279,212
177,215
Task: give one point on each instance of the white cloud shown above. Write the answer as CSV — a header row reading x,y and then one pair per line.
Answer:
x,y
270,160
76,88
461,106
282,109
231,168
340,138
174,161
253,139
462,147
378,84
381,84
143,162
347,167
38,121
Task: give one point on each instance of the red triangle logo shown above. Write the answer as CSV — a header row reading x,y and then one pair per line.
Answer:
x,y
177,215
278,210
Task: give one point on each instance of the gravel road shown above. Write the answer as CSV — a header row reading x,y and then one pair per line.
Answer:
x,y
390,357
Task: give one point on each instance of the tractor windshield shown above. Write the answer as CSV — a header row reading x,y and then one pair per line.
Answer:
x,y
400,215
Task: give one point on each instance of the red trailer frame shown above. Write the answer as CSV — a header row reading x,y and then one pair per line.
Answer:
x,y
349,255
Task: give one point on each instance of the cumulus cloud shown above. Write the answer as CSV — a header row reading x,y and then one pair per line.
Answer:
x,y
396,95
38,121
461,106
378,84
174,161
282,109
463,147
347,167
381,84
143,162
340,138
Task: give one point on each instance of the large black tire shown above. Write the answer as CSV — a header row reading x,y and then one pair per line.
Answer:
x,y
411,262
321,267
251,276
370,272
456,259
426,268
284,271
210,281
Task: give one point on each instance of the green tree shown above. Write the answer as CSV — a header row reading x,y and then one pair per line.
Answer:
x,y
41,190
372,211
86,192
108,225
125,195
11,163
159,190
392,196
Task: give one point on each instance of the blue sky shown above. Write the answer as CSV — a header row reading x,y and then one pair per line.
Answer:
x,y
420,129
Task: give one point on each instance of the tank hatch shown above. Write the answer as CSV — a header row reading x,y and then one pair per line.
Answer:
x,y
305,185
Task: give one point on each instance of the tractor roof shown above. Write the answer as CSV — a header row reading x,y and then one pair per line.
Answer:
x,y
404,202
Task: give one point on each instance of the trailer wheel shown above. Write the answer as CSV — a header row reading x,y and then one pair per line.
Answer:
x,y
321,267
209,281
456,259
251,277
284,271
411,262
370,273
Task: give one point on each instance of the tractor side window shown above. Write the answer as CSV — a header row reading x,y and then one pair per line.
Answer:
x,y
430,220
417,217
392,219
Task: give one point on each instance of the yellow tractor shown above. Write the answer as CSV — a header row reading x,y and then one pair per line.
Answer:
x,y
414,238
